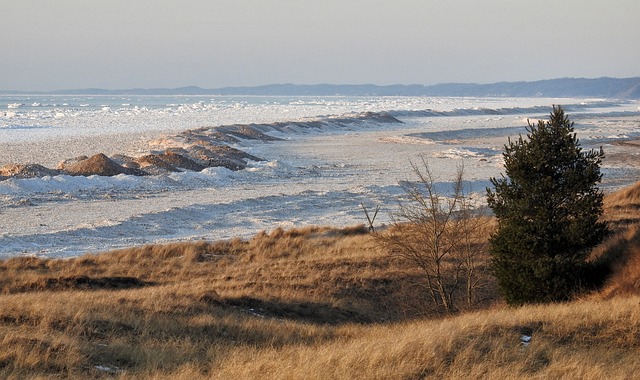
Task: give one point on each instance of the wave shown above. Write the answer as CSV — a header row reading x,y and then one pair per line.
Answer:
x,y
476,111
237,132
258,131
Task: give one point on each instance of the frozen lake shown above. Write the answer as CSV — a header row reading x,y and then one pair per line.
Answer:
x,y
310,176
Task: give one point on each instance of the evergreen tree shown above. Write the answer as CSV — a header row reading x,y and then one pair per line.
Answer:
x,y
548,208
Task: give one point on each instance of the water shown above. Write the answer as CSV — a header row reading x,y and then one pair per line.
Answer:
x,y
312,175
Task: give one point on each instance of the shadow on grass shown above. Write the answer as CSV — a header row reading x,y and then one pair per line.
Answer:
x,y
318,313
79,283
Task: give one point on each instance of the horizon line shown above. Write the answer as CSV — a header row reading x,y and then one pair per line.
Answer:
x,y
257,86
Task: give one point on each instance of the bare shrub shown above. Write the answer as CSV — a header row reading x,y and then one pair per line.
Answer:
x,y
445,237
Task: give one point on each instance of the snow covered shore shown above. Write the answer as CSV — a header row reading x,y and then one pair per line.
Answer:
x,y
313,169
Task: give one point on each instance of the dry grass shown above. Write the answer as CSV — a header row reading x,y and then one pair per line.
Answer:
x,y
619,255
313,267
157,308
622,208
309,303
582,340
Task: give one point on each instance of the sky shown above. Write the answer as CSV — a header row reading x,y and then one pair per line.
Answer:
x,y
118,44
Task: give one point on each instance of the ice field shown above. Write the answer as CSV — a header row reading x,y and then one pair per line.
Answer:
x,y
328,159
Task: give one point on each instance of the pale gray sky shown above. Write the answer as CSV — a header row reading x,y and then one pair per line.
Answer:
x,y
60,44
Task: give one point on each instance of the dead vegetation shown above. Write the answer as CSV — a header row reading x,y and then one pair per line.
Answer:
x,y
158,308
623,207
310,303
445,237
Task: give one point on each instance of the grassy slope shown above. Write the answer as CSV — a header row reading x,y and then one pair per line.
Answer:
x,y
314,303
582,340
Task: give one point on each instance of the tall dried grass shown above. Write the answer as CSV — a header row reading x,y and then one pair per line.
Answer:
x,y
153,309
619,256
622,207
581,340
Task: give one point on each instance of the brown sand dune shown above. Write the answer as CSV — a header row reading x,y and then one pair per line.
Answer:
x,y
246,132
180,161
225,156
27,171
98,164
154,164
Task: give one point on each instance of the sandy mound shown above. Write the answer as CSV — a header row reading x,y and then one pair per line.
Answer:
x,y
246,132
98,164
154,164
26,171
225,156
122,159
180,161
156,160
70,162
192,150
217,136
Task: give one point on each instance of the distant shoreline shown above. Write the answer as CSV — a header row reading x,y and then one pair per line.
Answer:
x,y
611,88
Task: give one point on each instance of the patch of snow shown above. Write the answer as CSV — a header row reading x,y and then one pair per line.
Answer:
x,y
108,368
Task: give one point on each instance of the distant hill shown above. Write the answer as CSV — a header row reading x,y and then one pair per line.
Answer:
x,y
611,88
627,88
